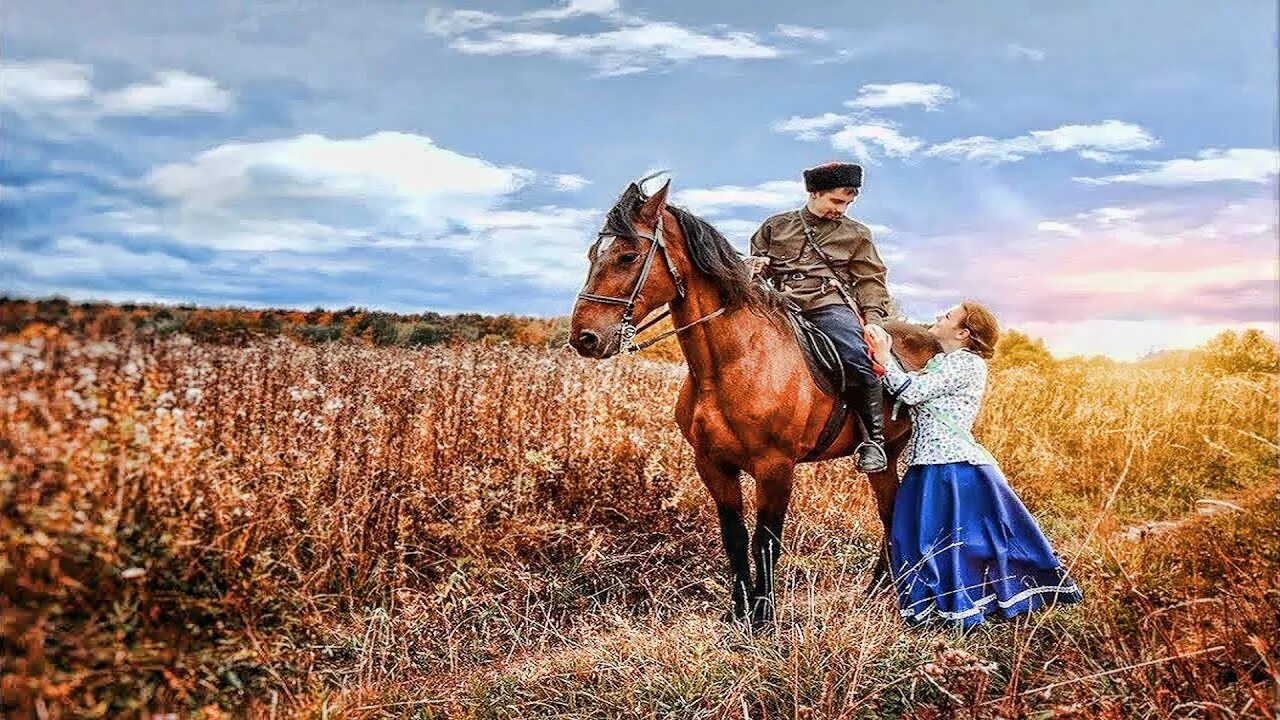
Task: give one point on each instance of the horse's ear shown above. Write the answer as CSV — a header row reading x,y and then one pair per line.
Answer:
x,y
651,210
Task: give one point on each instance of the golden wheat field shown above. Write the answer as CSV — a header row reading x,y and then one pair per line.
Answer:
x,y
279,530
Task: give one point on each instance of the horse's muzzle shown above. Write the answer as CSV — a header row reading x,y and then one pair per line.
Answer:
x,y
596,344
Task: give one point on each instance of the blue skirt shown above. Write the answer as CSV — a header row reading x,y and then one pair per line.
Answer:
x,y
964,546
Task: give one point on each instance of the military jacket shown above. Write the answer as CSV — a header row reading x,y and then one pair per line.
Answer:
x,y
799,272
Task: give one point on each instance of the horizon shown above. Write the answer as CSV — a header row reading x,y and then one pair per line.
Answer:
x,y
1111,192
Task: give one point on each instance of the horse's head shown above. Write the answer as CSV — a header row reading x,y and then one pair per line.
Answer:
x,y
632,272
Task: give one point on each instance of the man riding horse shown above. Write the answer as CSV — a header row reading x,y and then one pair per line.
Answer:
x,y
826,264
750,402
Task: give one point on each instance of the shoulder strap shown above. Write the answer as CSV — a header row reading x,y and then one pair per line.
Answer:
x,y
839,279
950,423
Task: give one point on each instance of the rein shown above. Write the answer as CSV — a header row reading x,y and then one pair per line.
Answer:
x,y
626,330
637,348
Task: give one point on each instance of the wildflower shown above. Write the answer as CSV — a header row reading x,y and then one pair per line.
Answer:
x,y
87,376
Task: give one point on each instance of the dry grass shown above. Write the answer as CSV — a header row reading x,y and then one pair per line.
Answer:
x,y
490,532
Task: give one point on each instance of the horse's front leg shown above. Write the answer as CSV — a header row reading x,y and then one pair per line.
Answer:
x,y
884,485
725,485
773,494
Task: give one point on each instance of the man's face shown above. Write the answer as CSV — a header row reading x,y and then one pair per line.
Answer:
x,y
831,204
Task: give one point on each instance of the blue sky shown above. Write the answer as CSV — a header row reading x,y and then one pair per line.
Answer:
x,y
1101,174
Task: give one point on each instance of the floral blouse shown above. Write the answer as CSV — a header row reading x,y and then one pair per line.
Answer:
x,y
944,399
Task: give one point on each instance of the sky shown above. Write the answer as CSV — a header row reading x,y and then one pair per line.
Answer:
x,y
1102,175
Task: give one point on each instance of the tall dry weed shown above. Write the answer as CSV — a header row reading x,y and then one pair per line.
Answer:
x,y
291,527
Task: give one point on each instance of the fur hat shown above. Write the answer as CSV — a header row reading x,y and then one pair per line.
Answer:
x,y
831,176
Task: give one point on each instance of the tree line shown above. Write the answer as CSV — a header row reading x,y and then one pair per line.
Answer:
x,y
1229,352
230,325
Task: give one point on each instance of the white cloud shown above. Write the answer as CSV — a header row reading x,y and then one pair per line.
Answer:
x,y
33,86
65,91
862,133
1113,215
314,194
71,256
173,91
772,195
1102,156
631,45
570,183
444,23
1254,165
928,95
574,8
1111,135
1059,227
546,245
1108,135
862,141
625,50
799,32
1014,50
240,195
810,128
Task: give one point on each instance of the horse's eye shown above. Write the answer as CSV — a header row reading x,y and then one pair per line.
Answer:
x,y
628,258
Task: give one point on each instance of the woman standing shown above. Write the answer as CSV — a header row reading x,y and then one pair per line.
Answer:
x,y
963,545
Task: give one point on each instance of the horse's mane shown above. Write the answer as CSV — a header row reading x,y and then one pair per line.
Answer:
x,y
710,252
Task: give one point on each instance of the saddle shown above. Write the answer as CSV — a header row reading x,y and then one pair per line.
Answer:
x,y
819,353
828,374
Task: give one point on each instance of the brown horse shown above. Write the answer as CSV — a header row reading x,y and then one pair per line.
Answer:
x,y
749,402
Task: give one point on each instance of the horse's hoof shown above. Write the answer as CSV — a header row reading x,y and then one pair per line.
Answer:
x,y
761,624
734,616
762,615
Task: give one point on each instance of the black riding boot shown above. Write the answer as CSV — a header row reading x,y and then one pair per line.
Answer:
x,y
868,402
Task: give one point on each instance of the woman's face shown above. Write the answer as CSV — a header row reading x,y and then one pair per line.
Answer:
x,y
950,328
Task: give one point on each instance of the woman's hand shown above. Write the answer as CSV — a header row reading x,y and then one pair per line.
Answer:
x,y
881,343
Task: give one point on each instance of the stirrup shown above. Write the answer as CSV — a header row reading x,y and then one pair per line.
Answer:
x,y
863,460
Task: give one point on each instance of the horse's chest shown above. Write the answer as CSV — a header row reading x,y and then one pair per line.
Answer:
x,y
717,425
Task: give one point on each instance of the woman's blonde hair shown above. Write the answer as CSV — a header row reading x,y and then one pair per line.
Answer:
x,y
983,329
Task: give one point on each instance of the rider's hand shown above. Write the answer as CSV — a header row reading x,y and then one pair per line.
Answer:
x,y
881,342
756,264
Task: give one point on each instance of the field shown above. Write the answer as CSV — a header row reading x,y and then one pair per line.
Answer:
x,y
279,530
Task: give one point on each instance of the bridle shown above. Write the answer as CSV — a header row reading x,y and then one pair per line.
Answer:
x,y
626,331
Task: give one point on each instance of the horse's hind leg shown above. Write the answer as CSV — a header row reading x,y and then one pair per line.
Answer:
x,y
773,494
725,485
